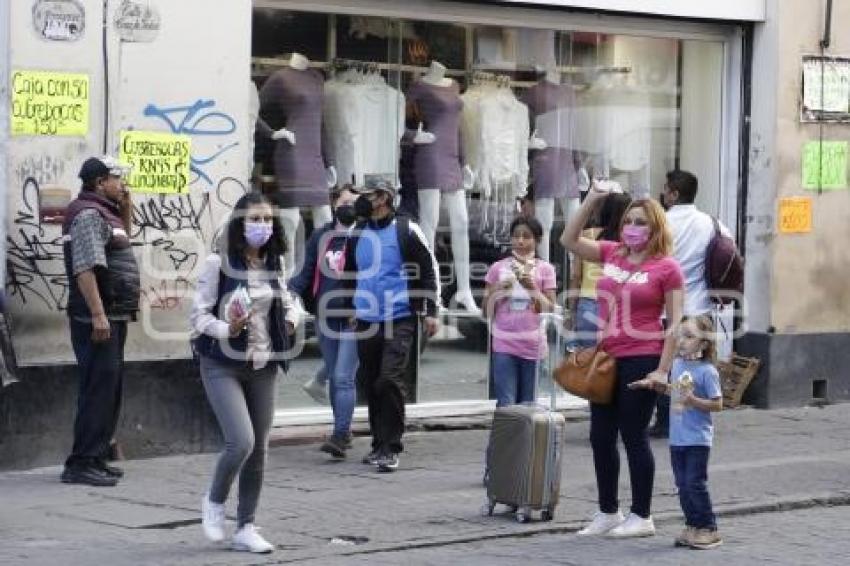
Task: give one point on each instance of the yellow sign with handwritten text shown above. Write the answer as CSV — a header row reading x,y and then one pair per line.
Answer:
x,y
795,215
45,103
160,162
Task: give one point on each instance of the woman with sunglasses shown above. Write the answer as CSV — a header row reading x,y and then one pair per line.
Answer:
x,y
640,281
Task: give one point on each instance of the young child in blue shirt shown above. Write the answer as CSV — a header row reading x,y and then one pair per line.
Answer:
x,y
695,393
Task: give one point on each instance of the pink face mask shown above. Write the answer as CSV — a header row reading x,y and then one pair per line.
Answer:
x,y
635,237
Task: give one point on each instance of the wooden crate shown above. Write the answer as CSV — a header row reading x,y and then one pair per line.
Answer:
x,y
735,377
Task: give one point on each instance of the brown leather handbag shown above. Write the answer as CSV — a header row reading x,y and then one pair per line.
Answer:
x,y
589,373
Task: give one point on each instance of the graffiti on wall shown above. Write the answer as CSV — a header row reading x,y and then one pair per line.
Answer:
x,y
197,119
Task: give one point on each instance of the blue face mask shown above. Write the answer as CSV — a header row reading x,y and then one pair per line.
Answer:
x,y
257,233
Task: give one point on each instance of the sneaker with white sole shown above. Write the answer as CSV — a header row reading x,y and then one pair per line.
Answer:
x,y
317,390
601,524
704,539
247,539
212,519
633,526
387,462
684,538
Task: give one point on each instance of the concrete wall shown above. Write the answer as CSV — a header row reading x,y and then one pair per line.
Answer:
x,y
796,283
193,78
818,263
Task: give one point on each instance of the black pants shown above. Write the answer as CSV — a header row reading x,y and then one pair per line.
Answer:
x,y
383,350
99,367
629,415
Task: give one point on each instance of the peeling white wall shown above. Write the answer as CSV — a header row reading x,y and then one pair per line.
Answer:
x,y
193,79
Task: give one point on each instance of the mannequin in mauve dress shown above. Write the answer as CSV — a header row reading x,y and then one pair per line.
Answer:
x,y
434,101
291,102
553,164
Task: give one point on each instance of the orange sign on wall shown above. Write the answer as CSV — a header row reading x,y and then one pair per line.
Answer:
x,y
795,215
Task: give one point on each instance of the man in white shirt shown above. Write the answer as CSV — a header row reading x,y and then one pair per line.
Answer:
x,y
692,231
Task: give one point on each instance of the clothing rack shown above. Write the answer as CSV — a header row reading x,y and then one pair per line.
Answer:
x,y
260,63
271,62
566,70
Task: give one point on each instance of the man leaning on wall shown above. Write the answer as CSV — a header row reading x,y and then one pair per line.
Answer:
x,y
103,279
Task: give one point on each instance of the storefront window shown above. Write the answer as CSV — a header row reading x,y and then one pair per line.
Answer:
x,y
514,113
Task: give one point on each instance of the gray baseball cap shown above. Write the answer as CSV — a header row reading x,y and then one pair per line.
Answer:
x,y
377,182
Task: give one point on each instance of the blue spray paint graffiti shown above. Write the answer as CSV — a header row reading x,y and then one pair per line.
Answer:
x,y
197,120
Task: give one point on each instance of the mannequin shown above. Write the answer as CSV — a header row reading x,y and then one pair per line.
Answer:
x,y
435,101
553,170
260,128
291,103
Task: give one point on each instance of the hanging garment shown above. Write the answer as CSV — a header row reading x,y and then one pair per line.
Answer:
x,y
363,124
495,134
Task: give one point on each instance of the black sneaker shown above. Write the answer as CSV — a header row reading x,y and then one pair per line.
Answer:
x,y
335,446
387,462
88,476
371,458
348,441
111,471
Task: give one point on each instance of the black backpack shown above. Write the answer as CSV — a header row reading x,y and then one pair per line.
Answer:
x,y
724,268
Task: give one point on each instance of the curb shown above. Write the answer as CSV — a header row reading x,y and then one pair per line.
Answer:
x,y
295,435
568,527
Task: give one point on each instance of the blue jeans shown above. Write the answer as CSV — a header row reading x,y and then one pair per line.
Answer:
x,y
339,353
587,329
513,379
690,468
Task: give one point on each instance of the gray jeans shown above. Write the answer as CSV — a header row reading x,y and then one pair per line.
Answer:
x,y
243,402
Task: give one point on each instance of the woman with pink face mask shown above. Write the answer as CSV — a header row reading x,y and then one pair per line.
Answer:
x,y
640,281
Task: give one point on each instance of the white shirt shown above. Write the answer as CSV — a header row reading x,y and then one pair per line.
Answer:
x,y
363,121
496,129
692,231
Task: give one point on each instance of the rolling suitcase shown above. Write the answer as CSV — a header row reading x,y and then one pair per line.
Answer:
x,y
526,444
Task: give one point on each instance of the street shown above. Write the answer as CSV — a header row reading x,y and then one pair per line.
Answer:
x,y
778,480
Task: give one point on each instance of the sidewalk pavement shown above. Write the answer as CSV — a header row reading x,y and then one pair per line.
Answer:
x,y
314,508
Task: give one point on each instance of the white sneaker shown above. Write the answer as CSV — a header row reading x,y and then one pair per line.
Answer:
x,y
633,526
248,539
601,524
318,391
212,519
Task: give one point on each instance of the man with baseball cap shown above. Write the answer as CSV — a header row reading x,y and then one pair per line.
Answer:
x,y
394,278
103,279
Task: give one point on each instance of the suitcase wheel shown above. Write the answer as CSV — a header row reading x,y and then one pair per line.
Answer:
x,y
523,516
487,508
547,515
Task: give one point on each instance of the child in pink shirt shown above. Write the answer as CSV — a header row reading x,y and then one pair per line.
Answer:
x,y
519,288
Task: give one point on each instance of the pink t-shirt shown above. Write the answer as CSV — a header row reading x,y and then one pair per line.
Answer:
x,y
631,300
516,327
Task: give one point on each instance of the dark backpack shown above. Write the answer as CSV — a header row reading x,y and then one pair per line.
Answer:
x,y
724,268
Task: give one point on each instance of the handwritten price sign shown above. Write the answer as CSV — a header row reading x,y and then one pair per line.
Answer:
x,y
795,215
45,103
160,162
